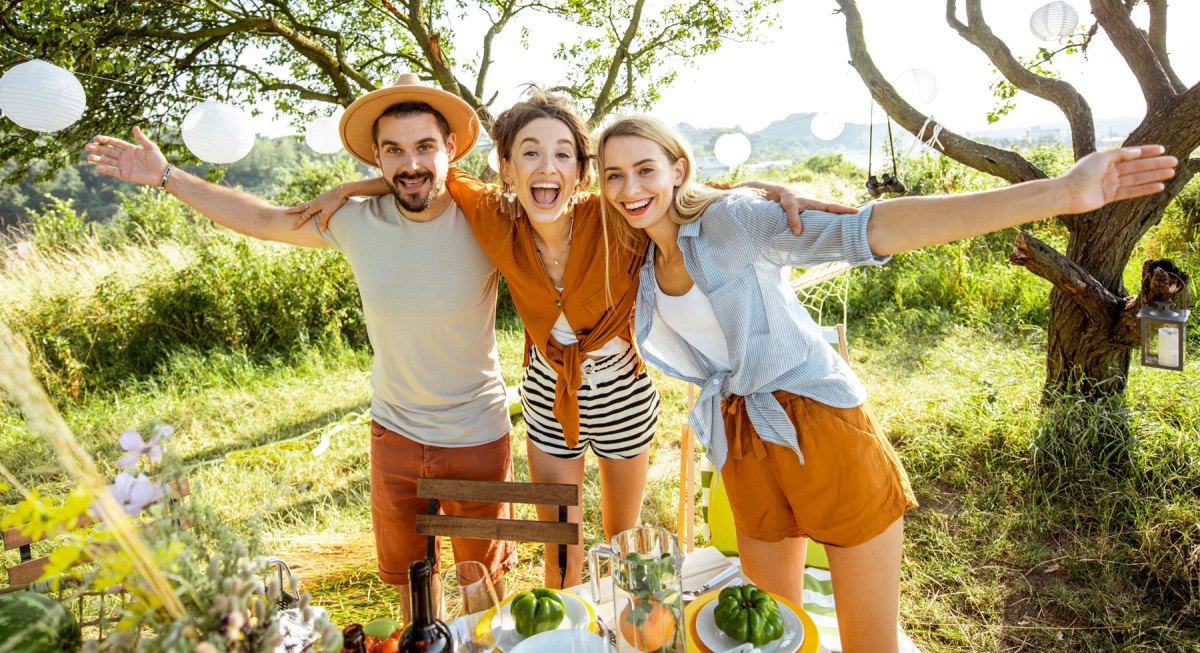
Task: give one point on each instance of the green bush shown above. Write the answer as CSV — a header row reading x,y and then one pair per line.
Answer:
x,y
234,294
313,178
147,214
59,226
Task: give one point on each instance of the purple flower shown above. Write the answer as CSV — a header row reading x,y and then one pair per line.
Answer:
x,y
132,442
134,494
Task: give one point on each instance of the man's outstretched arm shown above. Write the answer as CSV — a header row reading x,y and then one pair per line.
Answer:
x,y
143,163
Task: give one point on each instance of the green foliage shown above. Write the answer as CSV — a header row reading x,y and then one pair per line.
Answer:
x,y
313,178
233,293
147,214
59,226
834,164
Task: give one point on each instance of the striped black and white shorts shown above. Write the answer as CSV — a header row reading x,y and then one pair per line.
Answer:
x,y
618,408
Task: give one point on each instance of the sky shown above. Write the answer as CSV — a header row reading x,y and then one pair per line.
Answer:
x,y
801,65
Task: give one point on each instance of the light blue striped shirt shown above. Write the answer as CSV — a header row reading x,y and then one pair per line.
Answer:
x,y
734,253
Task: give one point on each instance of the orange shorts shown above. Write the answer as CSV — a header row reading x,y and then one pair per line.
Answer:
x,y
849,489
396,464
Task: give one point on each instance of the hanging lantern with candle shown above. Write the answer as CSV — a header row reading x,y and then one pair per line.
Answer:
x,y
218,133
1164,335
1164,327
41,96
1053,21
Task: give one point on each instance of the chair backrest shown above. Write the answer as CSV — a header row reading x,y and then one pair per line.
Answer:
x,y
29,568
819,286
518,530
25,573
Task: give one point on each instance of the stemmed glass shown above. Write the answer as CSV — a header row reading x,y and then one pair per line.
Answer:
x,y
468,594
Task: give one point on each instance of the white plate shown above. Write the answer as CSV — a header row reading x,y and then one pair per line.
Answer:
x,y
715,640
504,628
563,641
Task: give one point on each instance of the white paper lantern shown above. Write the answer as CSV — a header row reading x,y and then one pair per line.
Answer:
x,y
1053,21
41,96
494,159
732,149
827,125
218,133
322,135
917,85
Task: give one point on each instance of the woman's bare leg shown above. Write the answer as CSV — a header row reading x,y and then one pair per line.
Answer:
x,y
777,567
622,486
866,591
544,468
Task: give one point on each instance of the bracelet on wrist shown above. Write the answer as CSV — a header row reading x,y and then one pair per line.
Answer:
x,y
166,174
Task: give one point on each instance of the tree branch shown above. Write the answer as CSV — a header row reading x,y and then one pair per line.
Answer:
x,y
992,160
1079,115
1134,47
620,55
1158,41
1100,304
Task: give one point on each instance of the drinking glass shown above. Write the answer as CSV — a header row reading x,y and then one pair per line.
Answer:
x,y
467,595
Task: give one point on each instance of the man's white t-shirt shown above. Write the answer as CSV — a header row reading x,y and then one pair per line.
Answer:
x,y
429,297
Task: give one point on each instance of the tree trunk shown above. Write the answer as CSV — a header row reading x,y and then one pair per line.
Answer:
x,y
1088,347
1080,357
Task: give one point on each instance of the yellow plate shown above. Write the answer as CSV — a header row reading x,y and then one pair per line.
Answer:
x,y
694,645
484,630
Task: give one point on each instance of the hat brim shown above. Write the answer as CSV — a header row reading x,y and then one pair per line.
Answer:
x,y
358,122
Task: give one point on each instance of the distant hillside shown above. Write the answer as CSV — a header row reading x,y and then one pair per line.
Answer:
x,y
791,138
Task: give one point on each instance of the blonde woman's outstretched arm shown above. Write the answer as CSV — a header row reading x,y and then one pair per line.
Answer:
x,y
908,223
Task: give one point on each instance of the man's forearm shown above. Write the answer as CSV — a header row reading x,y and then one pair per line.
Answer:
x,y
236,210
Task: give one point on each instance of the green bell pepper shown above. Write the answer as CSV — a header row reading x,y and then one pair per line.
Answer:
x,y
537,611
748,614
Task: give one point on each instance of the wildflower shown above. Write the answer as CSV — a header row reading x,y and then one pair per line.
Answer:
x,y
132,442
134,494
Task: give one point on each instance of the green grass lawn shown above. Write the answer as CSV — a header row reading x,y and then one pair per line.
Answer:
x,y
994,560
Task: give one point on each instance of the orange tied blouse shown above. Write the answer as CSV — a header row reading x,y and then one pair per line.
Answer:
x,y
509,243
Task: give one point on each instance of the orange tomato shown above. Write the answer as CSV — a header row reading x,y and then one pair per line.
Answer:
x,y
371,642
389,645
655,632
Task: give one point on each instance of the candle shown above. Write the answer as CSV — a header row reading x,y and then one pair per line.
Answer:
x,y
1168,346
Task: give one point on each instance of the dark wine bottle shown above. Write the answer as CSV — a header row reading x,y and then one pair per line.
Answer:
x,y
354,640
426,633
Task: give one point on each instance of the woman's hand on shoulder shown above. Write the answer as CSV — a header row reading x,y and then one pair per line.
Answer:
x,y
322,208
794,203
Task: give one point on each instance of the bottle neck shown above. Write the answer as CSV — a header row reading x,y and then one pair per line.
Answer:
x,y
420,577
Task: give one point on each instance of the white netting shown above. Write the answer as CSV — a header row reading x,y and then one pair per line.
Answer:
x,y
823,288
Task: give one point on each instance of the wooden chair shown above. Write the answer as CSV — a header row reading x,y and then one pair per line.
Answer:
x,y
562,532
26,572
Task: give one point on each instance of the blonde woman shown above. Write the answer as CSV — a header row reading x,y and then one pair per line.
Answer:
x,y
783,418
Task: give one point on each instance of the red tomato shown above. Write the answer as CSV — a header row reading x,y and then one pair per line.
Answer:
x,y
372,643
389,645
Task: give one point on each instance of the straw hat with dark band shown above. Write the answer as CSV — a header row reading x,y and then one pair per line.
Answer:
x,y
358,121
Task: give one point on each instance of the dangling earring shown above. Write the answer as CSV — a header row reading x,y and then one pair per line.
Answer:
x,y
509,193
573,201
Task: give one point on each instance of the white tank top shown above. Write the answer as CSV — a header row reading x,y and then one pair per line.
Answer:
x,y
563,334
691,316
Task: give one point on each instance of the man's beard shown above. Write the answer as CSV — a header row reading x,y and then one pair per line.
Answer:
x,y
416,202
